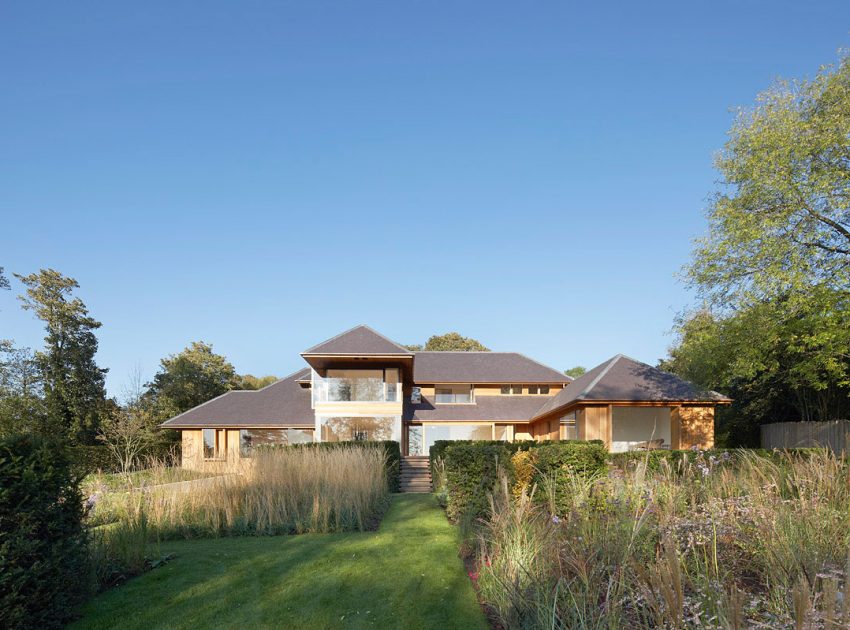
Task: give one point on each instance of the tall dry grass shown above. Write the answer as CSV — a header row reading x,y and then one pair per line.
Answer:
x,y
748,542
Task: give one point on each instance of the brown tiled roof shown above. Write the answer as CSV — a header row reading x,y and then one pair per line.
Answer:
x,y
515,408
360,340
482,367
283,403
624,379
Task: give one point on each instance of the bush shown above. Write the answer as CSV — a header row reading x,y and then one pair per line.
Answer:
x,y
557,463
439,447
471,472
676,458
391,448
43,547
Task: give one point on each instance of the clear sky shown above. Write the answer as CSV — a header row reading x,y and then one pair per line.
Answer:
x,y
264,175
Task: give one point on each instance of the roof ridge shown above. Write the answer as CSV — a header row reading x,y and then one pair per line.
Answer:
x,y
352,329
548,367
281,379
599,376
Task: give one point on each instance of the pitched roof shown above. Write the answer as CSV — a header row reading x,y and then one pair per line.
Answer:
x,y
624,379
283,403
516,408
482,367
359,340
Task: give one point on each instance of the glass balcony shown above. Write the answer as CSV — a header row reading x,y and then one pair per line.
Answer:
x,y
357,386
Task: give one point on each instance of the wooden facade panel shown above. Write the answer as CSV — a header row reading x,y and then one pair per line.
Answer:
x,y
329,409
594,423
695,427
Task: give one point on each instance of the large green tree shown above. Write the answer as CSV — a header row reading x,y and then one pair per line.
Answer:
x,y
22,408
450,341
73,384
781,222
191,377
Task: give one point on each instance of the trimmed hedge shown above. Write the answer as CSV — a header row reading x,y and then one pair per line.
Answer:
x,y
472,471
439,447
391,448
43,547
472,468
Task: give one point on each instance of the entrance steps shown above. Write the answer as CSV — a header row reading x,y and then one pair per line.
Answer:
x,y
415,473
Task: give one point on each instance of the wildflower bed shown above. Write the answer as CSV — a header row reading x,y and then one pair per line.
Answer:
x,y
712,540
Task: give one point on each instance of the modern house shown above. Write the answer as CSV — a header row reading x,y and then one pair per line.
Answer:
x,y
360,385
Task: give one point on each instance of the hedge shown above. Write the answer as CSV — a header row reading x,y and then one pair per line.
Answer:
x,y
91,459
391,448
472,468
439,447
43,547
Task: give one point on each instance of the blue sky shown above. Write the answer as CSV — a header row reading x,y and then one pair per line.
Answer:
x,y
263,175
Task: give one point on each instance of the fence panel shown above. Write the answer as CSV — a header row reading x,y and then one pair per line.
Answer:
x,y
834,434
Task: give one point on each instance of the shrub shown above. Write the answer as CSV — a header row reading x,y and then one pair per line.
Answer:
x,y
676,458
471,472
557,463
524,463
43,547
91,459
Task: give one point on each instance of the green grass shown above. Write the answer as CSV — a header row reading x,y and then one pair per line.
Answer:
x,y
405,575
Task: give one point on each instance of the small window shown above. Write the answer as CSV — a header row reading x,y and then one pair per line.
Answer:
x,y
538,389
215,444
453,393
515,390
569,430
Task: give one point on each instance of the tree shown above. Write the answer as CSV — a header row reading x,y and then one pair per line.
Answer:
x,y
128,432
248,381
73,384
452,341
778,361
4,281
190,378
575,372
781,223
22,408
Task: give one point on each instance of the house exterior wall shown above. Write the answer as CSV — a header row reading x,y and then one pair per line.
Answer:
x,y
594,423
693,426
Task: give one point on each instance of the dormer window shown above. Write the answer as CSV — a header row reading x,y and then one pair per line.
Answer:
x,y
448,394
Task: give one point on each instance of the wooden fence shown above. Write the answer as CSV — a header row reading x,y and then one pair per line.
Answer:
x,y
835,434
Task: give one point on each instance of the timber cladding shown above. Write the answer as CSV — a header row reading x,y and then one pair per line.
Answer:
x,y
695,427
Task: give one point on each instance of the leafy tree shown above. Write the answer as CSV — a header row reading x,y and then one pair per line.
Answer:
x,y
73,384
189,378
778,361
781,223
4,281
451,341
248,381
22,408
414,347
575,372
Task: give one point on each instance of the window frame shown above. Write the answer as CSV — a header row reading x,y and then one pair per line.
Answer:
x,y
511,387
219,449
451,386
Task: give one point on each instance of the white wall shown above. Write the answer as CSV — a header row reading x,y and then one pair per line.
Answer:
x,y
639,424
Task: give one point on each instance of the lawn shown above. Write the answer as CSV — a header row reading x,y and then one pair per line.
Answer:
x,y
407,574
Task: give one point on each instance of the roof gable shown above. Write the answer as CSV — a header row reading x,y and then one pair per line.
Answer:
x,y
359,340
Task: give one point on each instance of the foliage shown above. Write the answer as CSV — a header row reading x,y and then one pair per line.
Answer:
x,y
73,384
22,408
524,464
450,341
91,459
4,281
189,378
249,381
743,541
391,448
557,464
129,432
576,371
404,575
472,471
779,361
782,221
43,548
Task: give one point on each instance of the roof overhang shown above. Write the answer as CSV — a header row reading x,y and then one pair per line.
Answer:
x,y
581,402
321,362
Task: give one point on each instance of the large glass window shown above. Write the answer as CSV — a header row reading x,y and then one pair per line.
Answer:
x,y
347,428
435,432
453,393
215,443
569,430
356,386
249,439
